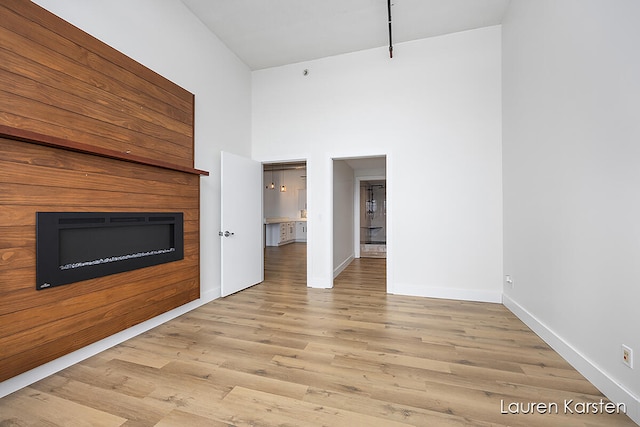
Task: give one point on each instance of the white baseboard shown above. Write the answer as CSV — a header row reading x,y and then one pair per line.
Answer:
x,y
344,264
210,295
598,377
448,293
25,379
320,282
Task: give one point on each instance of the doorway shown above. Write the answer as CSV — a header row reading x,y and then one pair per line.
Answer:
x,y
359,212
285,218
373,219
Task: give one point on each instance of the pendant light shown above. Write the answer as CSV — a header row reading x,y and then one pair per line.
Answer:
x,y
283,188
273,184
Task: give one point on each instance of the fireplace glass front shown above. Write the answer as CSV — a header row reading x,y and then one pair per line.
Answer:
x,y
75,246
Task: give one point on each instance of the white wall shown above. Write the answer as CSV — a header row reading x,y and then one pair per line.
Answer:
x,y
435,111
343,217
164,36
571,143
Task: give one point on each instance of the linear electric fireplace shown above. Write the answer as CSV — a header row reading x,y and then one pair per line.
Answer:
x,y
75,246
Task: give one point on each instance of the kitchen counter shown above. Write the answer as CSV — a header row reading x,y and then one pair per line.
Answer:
x,y
283,219
280,231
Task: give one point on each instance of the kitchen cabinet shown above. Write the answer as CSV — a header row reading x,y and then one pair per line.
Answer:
x,y
301,231
280,233
287,232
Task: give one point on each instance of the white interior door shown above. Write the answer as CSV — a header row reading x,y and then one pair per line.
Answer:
x,y
241,223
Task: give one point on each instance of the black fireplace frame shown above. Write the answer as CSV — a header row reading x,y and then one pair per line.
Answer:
x,y
49,226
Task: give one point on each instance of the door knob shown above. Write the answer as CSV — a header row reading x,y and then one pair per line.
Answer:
x,y
225,234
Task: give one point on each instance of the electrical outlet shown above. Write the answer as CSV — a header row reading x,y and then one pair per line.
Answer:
x,y
508,280
627,356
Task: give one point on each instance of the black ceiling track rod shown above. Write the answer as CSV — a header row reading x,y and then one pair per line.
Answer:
x,y
390,40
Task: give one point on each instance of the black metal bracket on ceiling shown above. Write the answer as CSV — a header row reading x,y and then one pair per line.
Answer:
x,y
390,39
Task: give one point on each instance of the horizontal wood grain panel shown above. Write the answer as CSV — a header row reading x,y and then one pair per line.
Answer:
x,y
27,153
64,81
38,354
127,127
63,307
17,257
16,279
44,176
17,237
29,72
44,119
21,215
55,197
84,128
26,297
73,146
93,69
88,43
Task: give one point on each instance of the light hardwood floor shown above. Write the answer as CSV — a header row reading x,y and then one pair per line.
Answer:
x,y
281,354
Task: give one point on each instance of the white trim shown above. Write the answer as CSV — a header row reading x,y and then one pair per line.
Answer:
x,y
617,393
344,264
356,218
449,293
391,286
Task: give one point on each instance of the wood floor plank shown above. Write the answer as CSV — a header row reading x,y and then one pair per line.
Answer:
x,y
364,358
385,410
355,377
282,354
178,418
103,376
270,410
111,402
52,411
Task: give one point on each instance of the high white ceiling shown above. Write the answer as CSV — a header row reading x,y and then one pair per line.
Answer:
x,y
269,33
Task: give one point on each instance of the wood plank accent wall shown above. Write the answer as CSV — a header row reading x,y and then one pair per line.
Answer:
x,y
61,83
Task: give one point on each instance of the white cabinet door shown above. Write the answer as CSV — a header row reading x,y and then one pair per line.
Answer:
x,y
301,231
291,231
283,233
